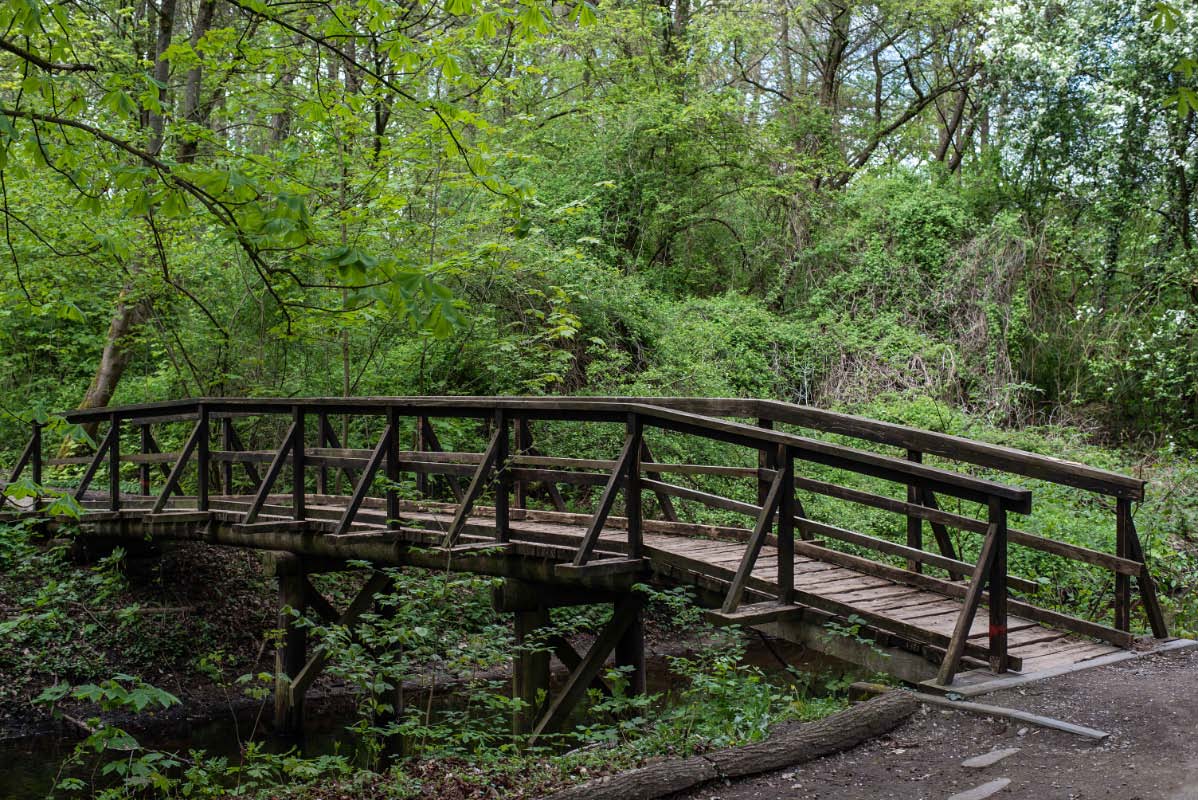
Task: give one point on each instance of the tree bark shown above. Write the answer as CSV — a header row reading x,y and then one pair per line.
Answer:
x,y
789,744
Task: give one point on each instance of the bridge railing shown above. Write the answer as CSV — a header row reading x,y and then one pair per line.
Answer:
x,y
1120,491
510,463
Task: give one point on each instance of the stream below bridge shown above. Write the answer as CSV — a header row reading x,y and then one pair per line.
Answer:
x,y
30,767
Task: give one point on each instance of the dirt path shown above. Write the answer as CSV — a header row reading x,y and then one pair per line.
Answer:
x,y
1148,705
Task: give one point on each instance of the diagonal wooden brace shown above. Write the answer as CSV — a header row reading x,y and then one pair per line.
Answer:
x,y
765,521
583,675
485,468
618,476
364,482
172,480
272,474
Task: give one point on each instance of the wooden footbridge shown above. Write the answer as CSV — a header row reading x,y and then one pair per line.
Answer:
x,y
322,482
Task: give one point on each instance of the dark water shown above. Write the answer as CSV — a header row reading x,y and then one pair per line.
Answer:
x,y
29,768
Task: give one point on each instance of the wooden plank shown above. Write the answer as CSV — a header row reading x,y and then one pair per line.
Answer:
x,y
378,582
371,469
958,448
172,480
601,567
677,565
272,474
1011,713
1147,586
755,614
949,589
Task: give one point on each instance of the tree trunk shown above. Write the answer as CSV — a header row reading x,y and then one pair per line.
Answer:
x,y
788,744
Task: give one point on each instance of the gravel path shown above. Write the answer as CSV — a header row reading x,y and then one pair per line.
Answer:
x,y
1149,706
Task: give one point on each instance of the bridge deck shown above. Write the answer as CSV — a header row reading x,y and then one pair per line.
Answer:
x,y
792,570
905,614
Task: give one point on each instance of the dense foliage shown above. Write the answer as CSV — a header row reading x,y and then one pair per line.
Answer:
x,y
967,215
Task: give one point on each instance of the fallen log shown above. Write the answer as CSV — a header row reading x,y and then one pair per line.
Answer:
x,y
788,744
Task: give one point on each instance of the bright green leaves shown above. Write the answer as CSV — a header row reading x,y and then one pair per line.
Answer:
x,y
408,294
583,13
1186,100
119,103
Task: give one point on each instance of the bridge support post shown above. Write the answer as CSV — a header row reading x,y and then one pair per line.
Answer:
x,y
630,651
292,652
530,668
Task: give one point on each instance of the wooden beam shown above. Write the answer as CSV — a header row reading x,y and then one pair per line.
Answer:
x,y
663,499
102,451
361,602
591,665
1152,606
272,474
969,609
485,467
765,521
591,537
360,491
172,480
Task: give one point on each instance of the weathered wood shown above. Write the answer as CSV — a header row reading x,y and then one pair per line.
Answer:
x,y
1013,714
602,566
936,516
618,476
996,583
172,480
250,470
372,467
93,465
580,678
1152,606
969,609
951,589
914,523
765,521
485,467
291,654
1123,550
300,682
530,667
663,499
787,745
272,474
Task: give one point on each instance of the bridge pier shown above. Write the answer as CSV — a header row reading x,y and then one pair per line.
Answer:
x,y
531,604
292,652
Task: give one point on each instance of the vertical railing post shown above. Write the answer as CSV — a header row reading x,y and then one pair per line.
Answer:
x,y
786,521
322,474
114,463
143,469
1123,550
632,488
523,444
503,477
422,478
914,523
297,463
392,467
203,461
226,444
997,585
765,460
35,459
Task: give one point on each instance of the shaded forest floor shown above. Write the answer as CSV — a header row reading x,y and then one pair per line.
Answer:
x,y
1148,705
